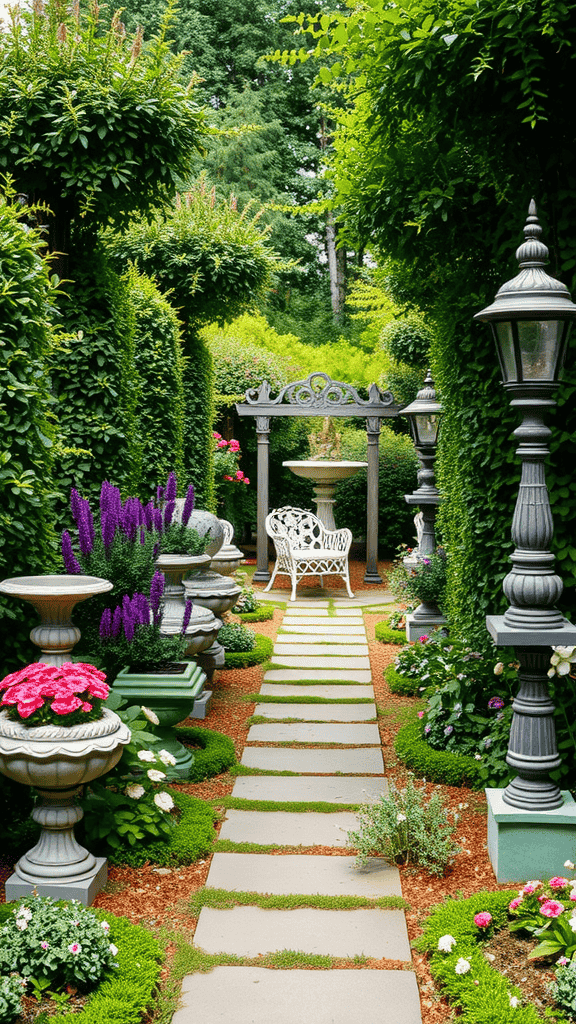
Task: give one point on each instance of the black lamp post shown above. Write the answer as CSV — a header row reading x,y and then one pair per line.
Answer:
x,y
531,318
424,415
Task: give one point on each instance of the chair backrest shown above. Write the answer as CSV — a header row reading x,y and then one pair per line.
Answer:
x,y
302,528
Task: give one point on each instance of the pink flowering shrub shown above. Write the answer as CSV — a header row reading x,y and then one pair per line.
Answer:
x,y
229,479
544,910
483,919
43,694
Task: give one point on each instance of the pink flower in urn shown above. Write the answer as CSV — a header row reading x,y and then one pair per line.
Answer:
x,y
552,908
483,919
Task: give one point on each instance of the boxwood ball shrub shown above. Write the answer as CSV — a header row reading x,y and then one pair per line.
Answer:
x,y
235,637
386,635
262,651
396,477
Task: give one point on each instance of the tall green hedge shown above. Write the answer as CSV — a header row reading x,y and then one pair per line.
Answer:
x,y
95,382
159,364
26,423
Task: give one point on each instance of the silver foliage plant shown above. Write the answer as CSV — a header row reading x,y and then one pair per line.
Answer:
x,y
406,828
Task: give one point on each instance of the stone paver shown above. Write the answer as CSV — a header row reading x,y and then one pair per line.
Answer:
x,y
326,630
329,661
318,712
364,760
310,789
320,675
314,732
308,874
319,650
305,828
320,638
307,609
248,931
316,620
310,690
254,995
311,602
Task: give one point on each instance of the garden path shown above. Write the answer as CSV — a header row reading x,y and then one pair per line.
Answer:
x,y
319,641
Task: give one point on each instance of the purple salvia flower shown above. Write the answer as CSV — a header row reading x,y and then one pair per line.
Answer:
x,y
71,563
156,590
159,495
156,551
158,521
143,609
85,529
168,513
187,614
188,505
128,622
142,535
129,518
171,488
140,507
106,624
116,621
75,504
108,529
148,513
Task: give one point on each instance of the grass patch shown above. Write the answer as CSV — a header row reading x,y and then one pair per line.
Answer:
x,y
263,720
261,651
260,615
386,635
223,899
401,684
241,804
244,769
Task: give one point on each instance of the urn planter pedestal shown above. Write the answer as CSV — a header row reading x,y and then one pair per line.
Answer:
x,y
57,760
171,694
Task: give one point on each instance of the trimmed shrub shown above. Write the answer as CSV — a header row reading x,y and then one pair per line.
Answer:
x,y
408,340
26,410
397,477
399,683
262,651
215,756
262,614
236,638
386,635
435,765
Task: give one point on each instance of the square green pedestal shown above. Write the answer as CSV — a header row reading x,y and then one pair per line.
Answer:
x,y
529,844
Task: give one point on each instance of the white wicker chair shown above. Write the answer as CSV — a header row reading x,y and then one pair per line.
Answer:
x,y
304,547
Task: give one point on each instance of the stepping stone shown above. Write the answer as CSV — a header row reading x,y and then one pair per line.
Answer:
x,y
349,610
314,732
309,874
318,712
321,638
248,931
332,661
309,602
250,994
365,761
285,828
304,620
309,609
318,650
339,692
310,789
328,630
317,675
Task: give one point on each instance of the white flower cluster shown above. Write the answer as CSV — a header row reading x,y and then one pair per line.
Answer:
x,y
135,790
562,661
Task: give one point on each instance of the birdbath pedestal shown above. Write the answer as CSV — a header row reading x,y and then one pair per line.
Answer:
x,y
325,475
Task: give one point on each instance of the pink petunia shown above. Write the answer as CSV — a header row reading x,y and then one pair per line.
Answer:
x,y
483,919
514,904
65,705
552,908
558,882
531,887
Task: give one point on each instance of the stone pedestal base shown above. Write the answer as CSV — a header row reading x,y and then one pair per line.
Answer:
x,y
201,705
417,627
85,891
529,844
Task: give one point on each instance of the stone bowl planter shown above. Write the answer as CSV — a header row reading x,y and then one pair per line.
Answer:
x,y
229,557
205,524
213,591
56,760
203,626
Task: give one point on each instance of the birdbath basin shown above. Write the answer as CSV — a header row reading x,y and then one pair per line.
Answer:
x,y
325,475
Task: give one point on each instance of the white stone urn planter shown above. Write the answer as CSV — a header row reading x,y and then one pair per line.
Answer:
x,y
325,475
203,627
56,760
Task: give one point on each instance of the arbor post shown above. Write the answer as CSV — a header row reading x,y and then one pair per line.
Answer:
x,y
373,435
263,436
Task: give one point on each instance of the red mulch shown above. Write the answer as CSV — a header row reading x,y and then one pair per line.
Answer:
x,y
157,897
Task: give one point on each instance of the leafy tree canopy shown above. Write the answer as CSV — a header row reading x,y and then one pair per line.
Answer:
x,y
95,123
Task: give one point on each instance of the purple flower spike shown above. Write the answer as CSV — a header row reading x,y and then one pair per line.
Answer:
x,y
186,618
168,513
171,488
188,505
148,514
116,621
85,529
75,504
108,528
159,495
158,521
129,518
142,609
156,590
106,624
71,563
129,626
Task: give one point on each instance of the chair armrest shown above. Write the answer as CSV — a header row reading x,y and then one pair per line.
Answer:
x,y
337,540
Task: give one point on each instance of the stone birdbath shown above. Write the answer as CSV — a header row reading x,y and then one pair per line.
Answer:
x,y
325,475
54,597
